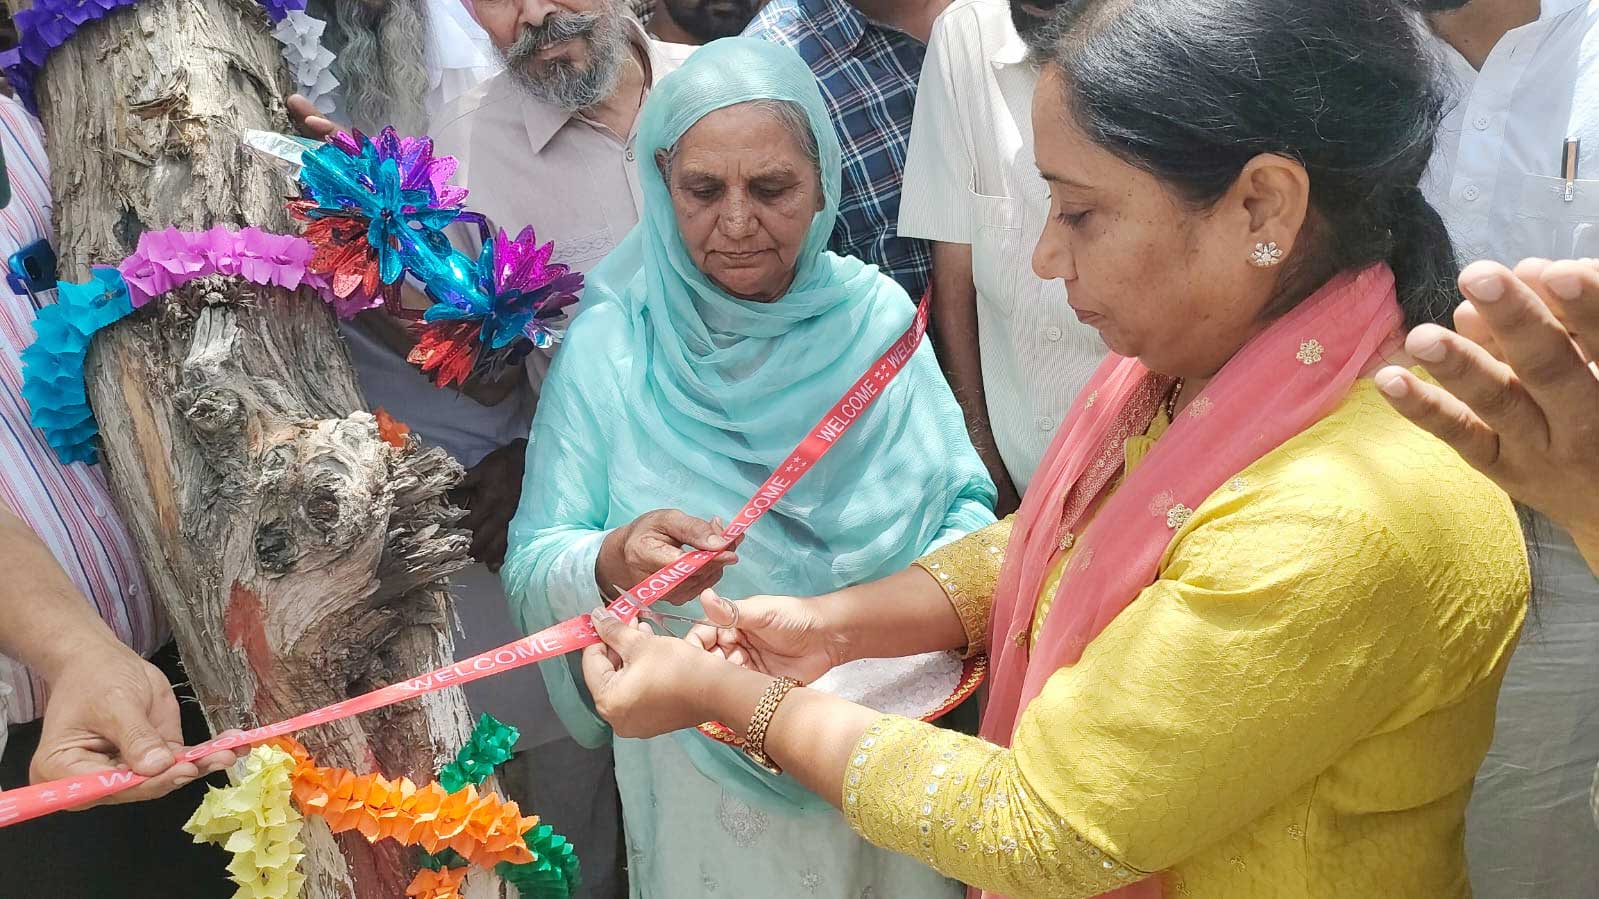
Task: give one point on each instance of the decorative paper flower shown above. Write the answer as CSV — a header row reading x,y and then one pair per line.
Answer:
x,y
52,366
168,259
519,291
368,204
446,352
392,432
553,874
485,830
253,820
488,319
48,24
444,883
309,62
276,10
490,745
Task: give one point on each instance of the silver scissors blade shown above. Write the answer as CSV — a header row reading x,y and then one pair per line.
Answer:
x,y
651,612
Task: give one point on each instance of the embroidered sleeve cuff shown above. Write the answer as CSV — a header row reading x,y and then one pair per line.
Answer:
x,y
968,572
959,804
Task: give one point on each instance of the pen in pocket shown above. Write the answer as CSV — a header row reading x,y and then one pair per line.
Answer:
x,y
1568,166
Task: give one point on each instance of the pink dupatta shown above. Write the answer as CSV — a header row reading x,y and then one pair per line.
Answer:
x,y
1284,380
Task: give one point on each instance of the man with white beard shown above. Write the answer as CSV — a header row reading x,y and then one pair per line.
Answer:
x,y
548,143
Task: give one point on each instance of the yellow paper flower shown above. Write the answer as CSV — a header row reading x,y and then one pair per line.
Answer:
x,y
254,820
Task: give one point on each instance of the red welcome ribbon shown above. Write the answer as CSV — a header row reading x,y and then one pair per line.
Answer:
x,y
573,634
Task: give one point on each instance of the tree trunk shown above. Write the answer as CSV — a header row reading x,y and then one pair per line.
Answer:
x,y
300,559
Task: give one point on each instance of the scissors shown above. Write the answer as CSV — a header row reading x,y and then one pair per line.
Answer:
x,y
660,618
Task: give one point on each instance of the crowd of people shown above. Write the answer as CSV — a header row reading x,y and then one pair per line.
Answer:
x,y
1253,444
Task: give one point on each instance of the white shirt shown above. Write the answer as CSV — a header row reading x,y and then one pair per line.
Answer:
x,y
460,55
1495,171
970,179
1529,830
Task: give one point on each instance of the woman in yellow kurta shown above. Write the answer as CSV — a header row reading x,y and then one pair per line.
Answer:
x,y
1248,628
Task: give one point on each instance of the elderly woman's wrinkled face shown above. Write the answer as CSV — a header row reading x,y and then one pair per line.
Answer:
x,y
744,192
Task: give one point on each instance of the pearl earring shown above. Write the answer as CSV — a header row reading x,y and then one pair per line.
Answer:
x,y
1266,255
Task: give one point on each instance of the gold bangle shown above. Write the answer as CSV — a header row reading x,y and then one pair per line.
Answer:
x,y
755,737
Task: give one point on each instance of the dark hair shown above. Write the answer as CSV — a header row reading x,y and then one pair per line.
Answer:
x,y
1191,90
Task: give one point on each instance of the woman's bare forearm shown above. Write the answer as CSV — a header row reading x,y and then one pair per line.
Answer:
x,y
903,614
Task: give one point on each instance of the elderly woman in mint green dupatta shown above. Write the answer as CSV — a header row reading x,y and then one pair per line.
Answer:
x,y
710,341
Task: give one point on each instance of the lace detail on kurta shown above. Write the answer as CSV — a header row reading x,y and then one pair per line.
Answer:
x,y
968,572
960,805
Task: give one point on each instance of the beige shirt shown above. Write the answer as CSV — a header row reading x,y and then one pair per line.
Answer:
x,y
970,179
523,163
529,163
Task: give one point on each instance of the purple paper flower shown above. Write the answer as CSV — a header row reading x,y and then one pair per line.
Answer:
x,y
220,248
50,23
274,258
171,258
519,290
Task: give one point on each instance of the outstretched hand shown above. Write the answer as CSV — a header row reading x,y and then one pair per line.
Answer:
x,y
1517,393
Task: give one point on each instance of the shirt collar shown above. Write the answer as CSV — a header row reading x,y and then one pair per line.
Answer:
x,y
839,25
1552,8
1013,50
543,120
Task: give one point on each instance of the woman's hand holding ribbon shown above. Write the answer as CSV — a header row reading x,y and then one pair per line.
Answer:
x,y
646,685
783,636
652,541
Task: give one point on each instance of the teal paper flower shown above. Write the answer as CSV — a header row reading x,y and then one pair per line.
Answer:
x,y
52,366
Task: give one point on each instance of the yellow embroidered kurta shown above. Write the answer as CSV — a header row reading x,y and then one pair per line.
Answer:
x,y
1294,708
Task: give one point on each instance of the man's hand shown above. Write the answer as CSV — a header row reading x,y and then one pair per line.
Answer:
x,y
109,708
308,120
490,493
1519,398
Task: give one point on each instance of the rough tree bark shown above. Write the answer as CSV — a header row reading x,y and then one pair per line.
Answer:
x,y
300,559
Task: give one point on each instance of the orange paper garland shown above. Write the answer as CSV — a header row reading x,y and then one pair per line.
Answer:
x,y
483,829
444,883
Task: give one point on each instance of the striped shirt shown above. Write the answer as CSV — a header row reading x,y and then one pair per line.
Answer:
x,y
868,74
68,506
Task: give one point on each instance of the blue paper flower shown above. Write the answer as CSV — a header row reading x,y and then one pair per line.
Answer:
x,y
52,366
517,290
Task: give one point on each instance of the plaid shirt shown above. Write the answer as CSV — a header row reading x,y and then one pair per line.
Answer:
x,y
868,74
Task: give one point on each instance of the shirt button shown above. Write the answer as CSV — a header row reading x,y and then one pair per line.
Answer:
x,y
1482,122
1053,332
1046,424
630,156
1471,192
99,511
